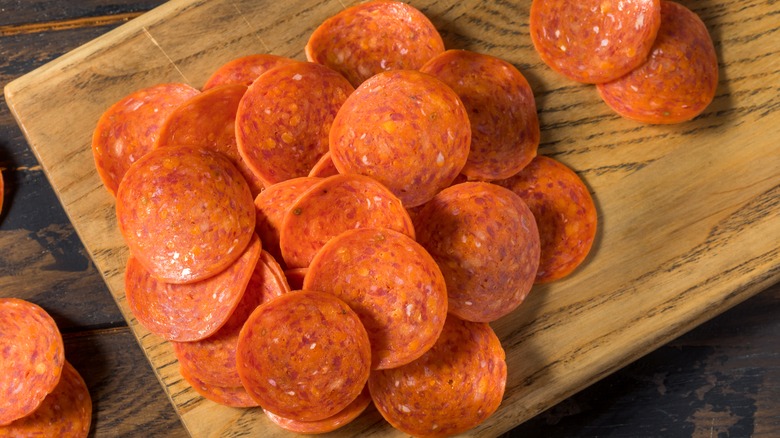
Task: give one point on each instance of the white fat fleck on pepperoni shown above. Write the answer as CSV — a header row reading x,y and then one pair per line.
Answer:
x,y
434,426
276,340
620,6
272,382
397,383
364,159
596,29
119,146
348,278
399,281
290,393
362,136
409,308
383,64
364,71
468,303
640,21
482,364
267,111
404,50
185,272
405,409
440,159
563,48
604,42
313,346
557,33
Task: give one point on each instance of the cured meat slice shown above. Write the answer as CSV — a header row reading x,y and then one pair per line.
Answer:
x,y
31,357
208,120
283,120
392,283
234,396
304,355
485,240
324,167
186,213
678,80
295,277
245,70
336,204
501,109
452,388
594,41
65,413
373,37
342,418
188,312
128,129
406,129
564,211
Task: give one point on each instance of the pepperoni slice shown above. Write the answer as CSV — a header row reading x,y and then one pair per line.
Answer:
x,y
66,412
373,37
185,212
564,211
452,388
128,129
234,396
486,243
188,312
324,167
594,41
295,277
678,80
336,204
31,357
392,283
304,355
284,118
245,70
342,418
406,129
501,108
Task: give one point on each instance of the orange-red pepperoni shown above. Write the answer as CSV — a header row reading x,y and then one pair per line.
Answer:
x,y
406,129
594,41
564,212
342,418
234,396
244,70
486,243
373,37
679,78
392,283
284,118
304,356
31,357
452,388
186,213
295,277
324,167
128,129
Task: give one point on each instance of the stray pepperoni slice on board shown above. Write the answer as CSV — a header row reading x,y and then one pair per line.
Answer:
x,y
486,243
679,78
564,211
342,418
304,355
233,396
188,312
186,213
392,283
594,41
128,129
373,37
284,118
65,413
324,167
406,129
334,205
31,357
245,70
208,120
452,388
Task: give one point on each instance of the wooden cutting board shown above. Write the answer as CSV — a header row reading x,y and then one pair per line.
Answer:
x,y
689,213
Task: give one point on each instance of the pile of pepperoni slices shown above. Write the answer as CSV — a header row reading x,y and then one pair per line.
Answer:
x,y
314,237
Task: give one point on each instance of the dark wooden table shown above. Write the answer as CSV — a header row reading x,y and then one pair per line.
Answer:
x,y
722,379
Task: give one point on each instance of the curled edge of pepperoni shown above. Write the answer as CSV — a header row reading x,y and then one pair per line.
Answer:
x,y
295,277
233,396
341,419
324,167
244,70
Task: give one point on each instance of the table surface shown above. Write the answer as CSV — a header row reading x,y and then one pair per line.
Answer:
x,y
721,379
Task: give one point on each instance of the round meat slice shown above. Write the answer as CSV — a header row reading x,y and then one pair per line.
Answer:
x,y
65,413
342,418
186,213
564,211
334,205
245,70
594,41
188,312
128,129
486,243
392,283
678,80
31,357
233,396
452,388
304,355
373,37
284,118
295,277
406,129
324,167
501,108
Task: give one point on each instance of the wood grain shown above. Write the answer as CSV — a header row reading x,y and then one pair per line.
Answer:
x,y
689,213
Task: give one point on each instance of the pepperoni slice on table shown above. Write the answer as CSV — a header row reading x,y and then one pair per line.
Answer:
x,y
245,70
392,283
678,80
594,41
373,37
31,357
234,396
342,418
501,108
128,129
186,213
304,355
324,167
